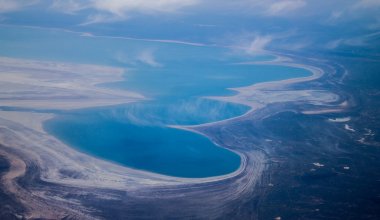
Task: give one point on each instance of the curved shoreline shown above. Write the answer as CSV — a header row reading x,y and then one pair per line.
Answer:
x,y
60,164
316,73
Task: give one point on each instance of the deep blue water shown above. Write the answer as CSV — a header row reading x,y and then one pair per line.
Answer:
x,y
160,149
174,77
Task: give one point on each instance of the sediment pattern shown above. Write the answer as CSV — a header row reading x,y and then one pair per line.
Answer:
x,y
51,180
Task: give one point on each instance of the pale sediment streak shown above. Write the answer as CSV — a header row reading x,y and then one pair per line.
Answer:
x,y
260,95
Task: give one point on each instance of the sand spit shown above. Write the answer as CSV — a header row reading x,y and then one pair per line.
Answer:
x,y
260,95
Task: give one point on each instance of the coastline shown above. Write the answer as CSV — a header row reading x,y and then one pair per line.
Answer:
x,y
63,165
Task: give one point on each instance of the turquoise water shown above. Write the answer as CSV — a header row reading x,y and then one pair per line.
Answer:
x,y
174,77
159,149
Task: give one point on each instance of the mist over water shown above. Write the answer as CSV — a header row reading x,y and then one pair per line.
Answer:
x,y
182,112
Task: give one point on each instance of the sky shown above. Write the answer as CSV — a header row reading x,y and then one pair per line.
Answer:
x,y
255,25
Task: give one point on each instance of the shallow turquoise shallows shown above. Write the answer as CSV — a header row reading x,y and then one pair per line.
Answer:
x,y
175,77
